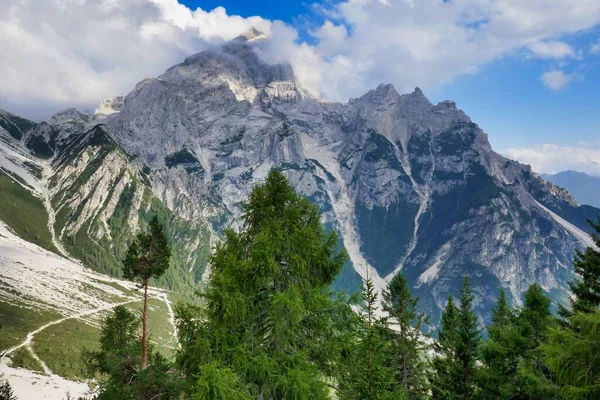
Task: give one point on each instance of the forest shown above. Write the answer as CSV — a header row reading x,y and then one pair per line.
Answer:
x,y
269,326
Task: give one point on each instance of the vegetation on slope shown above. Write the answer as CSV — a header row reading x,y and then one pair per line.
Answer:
x,y
24,213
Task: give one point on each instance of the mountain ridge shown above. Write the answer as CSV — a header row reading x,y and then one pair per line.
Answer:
x,y
585,187
410,186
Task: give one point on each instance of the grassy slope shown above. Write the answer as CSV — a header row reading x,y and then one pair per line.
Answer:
x,y
60,346
24,213
17,321
22,358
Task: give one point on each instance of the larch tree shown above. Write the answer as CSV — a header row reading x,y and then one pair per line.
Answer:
x,y
572,350
268,322
147,257
572,355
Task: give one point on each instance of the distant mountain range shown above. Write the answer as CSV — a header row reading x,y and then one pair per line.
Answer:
x,y
584,188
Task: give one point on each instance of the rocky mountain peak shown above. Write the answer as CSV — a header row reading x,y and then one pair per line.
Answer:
x,y
251,35
108,107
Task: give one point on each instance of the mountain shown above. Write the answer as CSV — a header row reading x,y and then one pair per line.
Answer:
x,y
584,188
88,197
409,185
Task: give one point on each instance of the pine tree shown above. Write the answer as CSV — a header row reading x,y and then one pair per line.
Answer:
x,y
445,364
408,344
586,289
117,363
268,314
147,257
6,392
118,359
468,340
500,354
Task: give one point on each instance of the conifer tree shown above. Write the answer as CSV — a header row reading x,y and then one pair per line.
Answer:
x,y
268,315
534,321
118,358
444,380
147,257
118,363
572,354
500,354
6,392
371,374
407,342
468,340
586,288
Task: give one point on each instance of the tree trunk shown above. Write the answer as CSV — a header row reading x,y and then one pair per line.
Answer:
x,y
145,326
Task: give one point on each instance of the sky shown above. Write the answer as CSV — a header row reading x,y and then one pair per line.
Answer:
x,y
526,71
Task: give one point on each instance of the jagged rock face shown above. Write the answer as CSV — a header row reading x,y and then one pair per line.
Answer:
x,y
410,186
48,137
14,126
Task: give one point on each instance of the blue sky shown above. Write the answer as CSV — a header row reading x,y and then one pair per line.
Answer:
x,y
527,71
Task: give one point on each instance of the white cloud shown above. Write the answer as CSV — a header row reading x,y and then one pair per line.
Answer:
x,y
62,53
557,79
595,47
552,49
551,158
59,53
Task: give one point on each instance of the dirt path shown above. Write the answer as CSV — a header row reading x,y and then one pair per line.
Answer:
x,y
30,335
164,298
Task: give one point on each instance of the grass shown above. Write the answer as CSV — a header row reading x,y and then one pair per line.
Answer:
x,y
24,213
60,346
160,327
16,322
22,358
161,330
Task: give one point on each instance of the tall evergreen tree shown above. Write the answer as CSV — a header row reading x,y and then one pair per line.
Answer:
x,y
408,344
268,316
534,321
500,354
572,350
445,365
468,340
572,354
147,257
371,374
586,288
